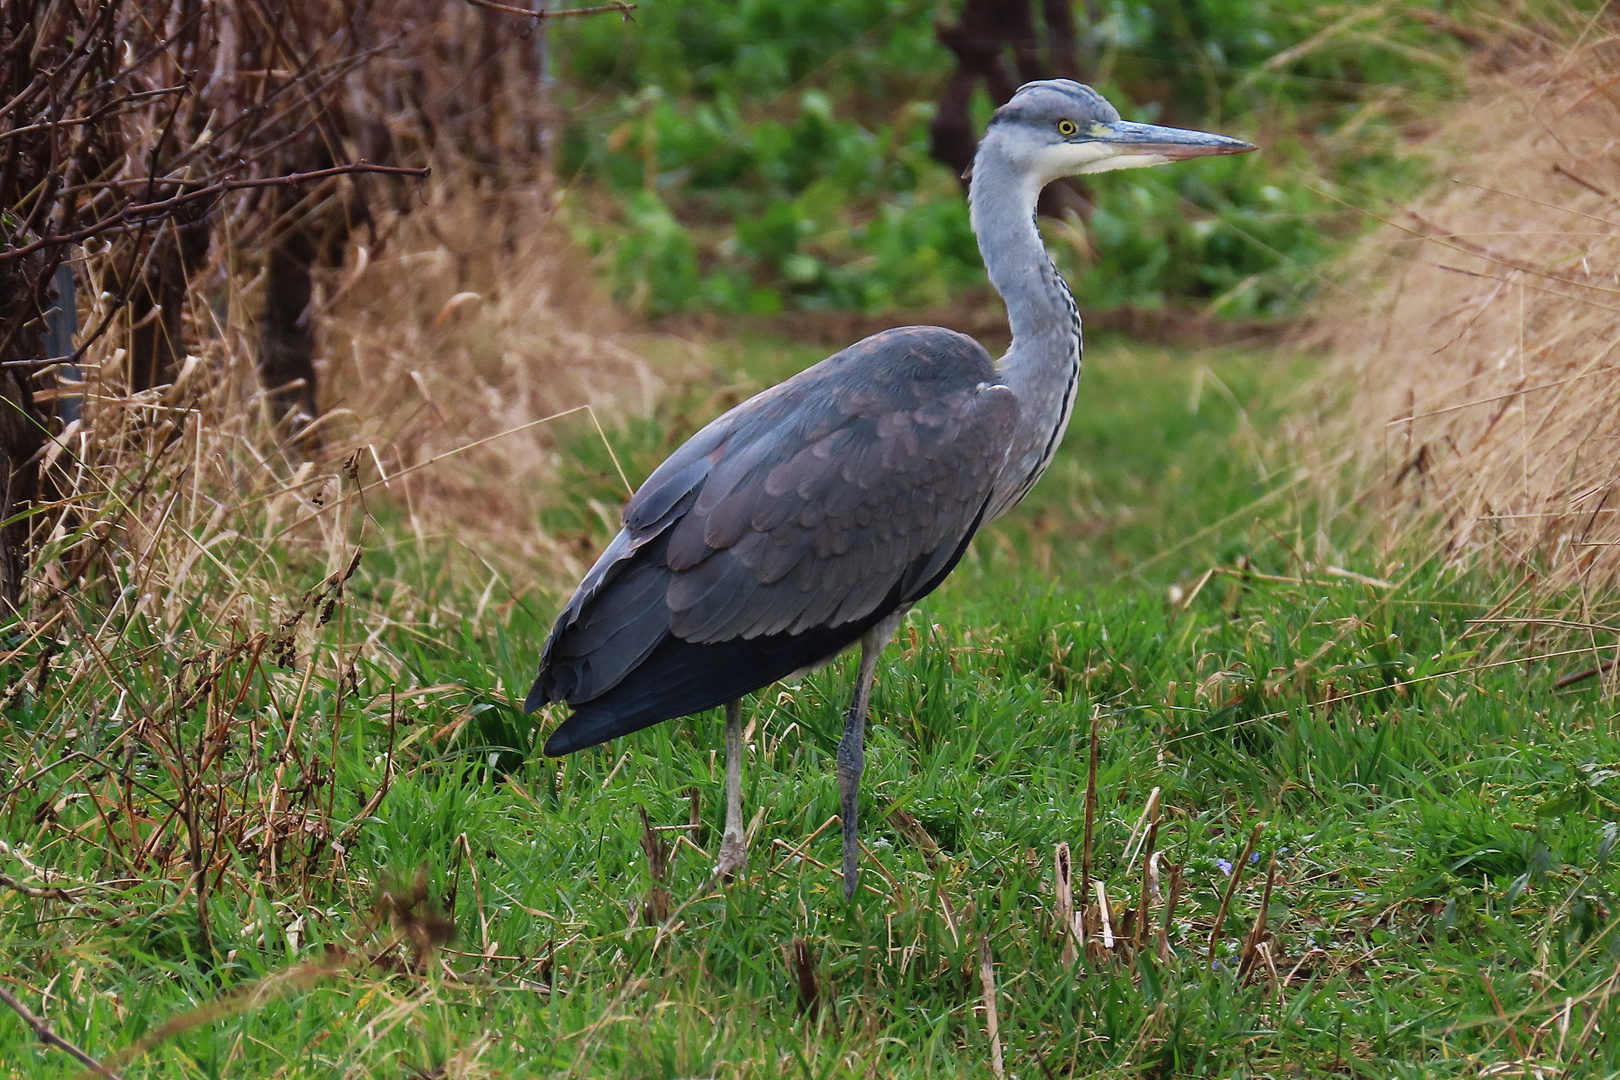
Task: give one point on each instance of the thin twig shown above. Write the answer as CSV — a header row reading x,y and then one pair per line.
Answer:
x,y
43,1032
1507,1025
542,14
48,893
1170,905
360,492
140,213
300,976
1581,676
1040,1059
388,775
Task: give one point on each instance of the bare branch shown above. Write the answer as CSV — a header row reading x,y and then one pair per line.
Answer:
x,y
101,112
622,8
49,892
43,1032
141,213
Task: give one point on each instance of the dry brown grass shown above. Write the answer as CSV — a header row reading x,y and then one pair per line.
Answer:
x,y
1481,346
477,318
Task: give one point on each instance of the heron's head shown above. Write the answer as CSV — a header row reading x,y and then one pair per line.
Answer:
x,y
1058,127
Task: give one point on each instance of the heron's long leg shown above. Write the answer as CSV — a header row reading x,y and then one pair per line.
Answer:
x,y
734,844
852,748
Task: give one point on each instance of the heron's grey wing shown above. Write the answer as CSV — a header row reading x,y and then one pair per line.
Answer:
x,y
851,485
819,527
834,492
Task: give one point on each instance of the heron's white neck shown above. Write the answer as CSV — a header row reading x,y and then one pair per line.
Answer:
x,y
1043,365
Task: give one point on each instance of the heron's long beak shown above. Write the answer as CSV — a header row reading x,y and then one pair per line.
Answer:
x,y
1129,146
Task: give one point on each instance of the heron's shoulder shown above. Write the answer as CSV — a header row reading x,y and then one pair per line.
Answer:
x,y
899,370
927,353
896,369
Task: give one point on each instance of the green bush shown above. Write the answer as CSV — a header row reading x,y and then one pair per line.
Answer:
x,y
775,154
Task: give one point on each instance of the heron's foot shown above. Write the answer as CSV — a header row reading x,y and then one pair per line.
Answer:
x,y
733,856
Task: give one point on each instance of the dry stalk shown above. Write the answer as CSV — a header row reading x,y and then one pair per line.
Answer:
x,y
656,908
804,971
1063,886
1104,920
1149,812
1144,904
1174,900
992,1018
50,892
913,830
1231,887
289,980
381,793
1091,814
1257,933
618,7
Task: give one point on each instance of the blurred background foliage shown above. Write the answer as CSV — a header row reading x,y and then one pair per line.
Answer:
x,y
751,156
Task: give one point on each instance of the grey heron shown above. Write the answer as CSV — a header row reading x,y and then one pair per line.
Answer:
x,y
811,517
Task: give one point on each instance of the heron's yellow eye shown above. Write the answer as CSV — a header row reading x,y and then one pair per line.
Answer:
x,y
1066,128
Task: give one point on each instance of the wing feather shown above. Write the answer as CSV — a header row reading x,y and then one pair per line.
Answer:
x,y
633,594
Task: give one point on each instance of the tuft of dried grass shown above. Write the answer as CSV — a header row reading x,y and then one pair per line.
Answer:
x,y
444,347
1480,344
476,317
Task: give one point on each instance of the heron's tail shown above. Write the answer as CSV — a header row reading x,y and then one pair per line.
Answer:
x,y
679,678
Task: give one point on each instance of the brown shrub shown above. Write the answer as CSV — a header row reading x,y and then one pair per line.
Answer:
x,y
1480,341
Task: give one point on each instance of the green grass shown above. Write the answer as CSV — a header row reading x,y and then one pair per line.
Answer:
x,y
1444,898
